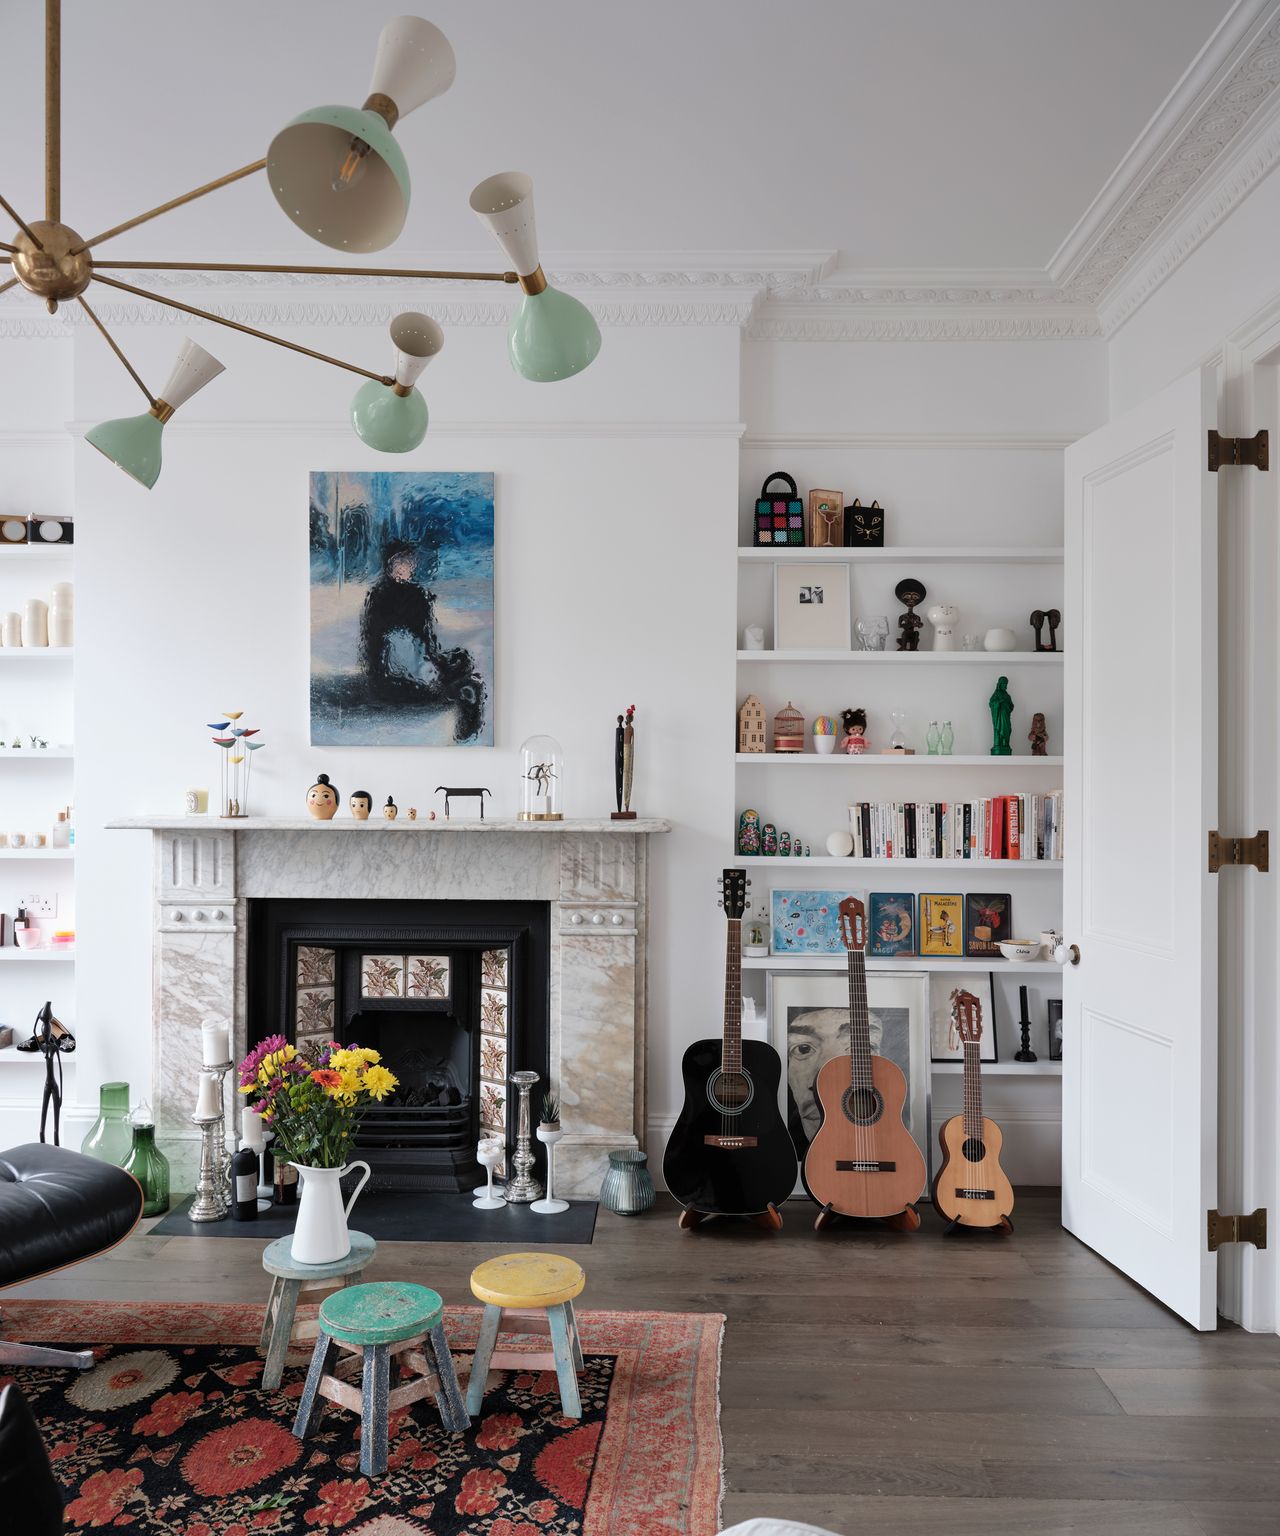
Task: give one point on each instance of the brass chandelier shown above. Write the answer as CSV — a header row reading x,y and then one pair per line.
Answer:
x,y
338,173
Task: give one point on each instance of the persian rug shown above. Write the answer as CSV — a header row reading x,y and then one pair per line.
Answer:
x,y
170,1433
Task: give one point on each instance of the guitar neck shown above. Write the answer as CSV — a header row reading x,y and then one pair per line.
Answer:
x,y
731,1050
859,1022
972,1090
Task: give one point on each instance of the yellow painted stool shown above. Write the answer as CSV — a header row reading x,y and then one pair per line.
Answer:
x,y
528,1293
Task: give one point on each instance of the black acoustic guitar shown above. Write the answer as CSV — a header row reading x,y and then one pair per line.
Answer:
x,y
730,1153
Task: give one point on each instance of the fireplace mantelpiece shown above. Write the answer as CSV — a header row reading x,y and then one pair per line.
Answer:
x,y
591,872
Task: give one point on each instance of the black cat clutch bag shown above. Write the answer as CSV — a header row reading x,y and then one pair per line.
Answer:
x,y
864,526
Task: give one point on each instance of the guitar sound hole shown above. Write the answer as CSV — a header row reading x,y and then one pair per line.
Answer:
x,y
730,1092
863,1106
974,1150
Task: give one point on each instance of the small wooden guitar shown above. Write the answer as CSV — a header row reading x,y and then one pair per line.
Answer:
x,y
971,1189
863,1161
730,1153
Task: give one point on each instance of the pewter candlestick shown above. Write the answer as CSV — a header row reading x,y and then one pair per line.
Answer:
x,y
213,1185
523,1188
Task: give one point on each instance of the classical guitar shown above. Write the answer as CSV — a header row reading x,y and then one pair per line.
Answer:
x,y
730,1153
863,1160
971,1189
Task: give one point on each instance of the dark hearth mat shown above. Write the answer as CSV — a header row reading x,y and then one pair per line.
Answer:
x,y
391,1215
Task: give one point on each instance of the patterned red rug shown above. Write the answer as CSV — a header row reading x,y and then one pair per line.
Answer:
x,y
169,1433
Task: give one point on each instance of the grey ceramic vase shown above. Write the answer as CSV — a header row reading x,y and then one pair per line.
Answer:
x,y
628,1186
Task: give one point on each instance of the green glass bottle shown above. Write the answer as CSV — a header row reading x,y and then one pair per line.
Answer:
x,y
110,1136
148,1164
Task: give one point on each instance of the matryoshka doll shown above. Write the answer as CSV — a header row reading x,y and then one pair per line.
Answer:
x,y
322,799
391,810
749,833
769,840
361,804
784,845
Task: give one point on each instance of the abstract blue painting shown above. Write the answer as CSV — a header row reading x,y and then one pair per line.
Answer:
x,y
807,922
401,609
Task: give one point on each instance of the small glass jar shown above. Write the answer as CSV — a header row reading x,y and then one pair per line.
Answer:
x,y
541,779
110,1137
628,1189
148,1164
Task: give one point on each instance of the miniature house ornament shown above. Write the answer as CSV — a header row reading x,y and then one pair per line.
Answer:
x,y
751,735
541,779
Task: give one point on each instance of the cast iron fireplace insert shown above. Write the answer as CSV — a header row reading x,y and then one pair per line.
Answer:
x,y
454,994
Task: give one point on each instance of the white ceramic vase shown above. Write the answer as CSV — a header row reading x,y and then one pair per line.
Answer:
x,y
1000,640
35,622
62,614
321,1236
13,630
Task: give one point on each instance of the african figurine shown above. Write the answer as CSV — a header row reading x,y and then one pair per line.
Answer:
x,y
1038,736
912,593
1039,618
624,764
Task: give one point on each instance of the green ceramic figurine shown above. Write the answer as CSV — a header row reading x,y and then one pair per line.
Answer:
x,y
1001,719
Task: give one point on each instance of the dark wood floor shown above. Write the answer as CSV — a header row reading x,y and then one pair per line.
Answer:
x,y
898,1383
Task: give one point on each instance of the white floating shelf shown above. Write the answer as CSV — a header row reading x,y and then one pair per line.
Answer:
x,y
892,759
63,955
35,755
1038,1068
35,855
901,963
63,553
35,653
11,1056
992,660
959,866
1001,554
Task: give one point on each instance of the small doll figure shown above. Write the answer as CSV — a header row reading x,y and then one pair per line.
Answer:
x,y
361,804
854,722
322,799
413,813
391,810
1038,736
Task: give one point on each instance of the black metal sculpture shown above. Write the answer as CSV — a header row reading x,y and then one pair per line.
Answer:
x,y
51,1037
454,789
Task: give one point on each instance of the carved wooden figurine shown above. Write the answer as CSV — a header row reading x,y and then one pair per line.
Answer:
x,y
912,593
624,764
322,799
1039,618
361,804
1038,736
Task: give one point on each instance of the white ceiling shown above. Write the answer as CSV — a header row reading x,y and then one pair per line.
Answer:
x,y
914,134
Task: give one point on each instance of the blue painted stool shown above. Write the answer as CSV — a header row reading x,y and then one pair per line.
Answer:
x,y
528,1293
375,1324
288,1280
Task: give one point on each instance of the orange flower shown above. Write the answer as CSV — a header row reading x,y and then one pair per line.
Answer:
x,y
327,1077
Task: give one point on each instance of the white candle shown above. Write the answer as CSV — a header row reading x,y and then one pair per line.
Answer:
x,y
251,1130
208,1105
215,1040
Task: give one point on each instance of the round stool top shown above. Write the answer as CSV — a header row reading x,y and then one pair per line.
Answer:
x,y
381,1313
527,1280
277,1259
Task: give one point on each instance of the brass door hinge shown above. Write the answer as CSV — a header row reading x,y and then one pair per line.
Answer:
x,y
1255,450
1238,1229
1255,850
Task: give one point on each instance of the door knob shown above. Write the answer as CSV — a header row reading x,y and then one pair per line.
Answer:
x,y
1067,954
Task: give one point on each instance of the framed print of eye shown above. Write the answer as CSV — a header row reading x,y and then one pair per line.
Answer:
x,y
864,526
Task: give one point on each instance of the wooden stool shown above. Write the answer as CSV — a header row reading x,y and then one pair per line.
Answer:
x,y
374,1324
288,1280
528,1293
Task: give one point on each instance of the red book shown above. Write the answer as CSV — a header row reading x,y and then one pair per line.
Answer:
x,y
1015,829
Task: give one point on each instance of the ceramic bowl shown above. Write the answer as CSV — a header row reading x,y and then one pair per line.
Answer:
x,y
1019,949
27,938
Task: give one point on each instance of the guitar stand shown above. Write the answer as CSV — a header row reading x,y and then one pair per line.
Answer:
x,y
907,1220
1004,1226
768,1220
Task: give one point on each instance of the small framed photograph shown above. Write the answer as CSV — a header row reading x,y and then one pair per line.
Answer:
x,y
941,927
811,608
943,1043
988,918
1055,1029
891,924
826,520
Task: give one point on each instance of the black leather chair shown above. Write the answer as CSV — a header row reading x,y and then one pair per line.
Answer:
x,y
58,1207
29,1493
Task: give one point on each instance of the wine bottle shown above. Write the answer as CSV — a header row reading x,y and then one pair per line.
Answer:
x,y
244,1179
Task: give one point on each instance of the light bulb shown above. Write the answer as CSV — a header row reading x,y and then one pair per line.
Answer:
x,y
351,172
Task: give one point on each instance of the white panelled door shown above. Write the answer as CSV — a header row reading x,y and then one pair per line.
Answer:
x,y
1140,1023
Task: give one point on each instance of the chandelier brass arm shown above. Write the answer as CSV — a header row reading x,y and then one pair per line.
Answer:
x,y
4,287
247,330
21,223
110,341
247,266
53,110
174,202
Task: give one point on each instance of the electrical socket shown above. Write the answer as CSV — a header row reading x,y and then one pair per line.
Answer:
x,y
39,906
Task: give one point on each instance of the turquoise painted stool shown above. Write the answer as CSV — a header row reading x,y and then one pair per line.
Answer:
x,y
288,1280
375,1324
528,1293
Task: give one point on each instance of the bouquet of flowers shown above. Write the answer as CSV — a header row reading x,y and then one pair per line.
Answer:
x,y
314,1103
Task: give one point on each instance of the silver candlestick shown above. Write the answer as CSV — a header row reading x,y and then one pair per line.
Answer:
x,y
213,1184
523,1188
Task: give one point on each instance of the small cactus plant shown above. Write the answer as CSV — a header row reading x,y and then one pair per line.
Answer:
x,y
550,1109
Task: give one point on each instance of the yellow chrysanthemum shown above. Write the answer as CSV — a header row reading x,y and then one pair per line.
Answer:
x,y
367,1054
379,1082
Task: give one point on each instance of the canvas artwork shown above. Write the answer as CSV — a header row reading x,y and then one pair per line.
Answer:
x,y
988,918
807,922
942,925
811,1016
891,927
401,609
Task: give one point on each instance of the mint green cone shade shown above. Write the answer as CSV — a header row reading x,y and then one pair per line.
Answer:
x,y
132,442
389,422
552,337
304,164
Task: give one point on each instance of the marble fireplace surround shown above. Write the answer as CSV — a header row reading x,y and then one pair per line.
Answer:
x,y
593,874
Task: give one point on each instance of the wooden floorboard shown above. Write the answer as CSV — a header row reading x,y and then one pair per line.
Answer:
x,y
969,1385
